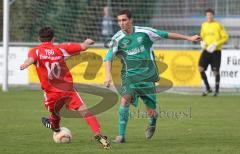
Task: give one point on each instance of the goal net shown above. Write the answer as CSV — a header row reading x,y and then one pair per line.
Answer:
x,y
76,20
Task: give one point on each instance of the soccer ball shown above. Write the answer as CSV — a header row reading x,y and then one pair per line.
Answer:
x,y
64,136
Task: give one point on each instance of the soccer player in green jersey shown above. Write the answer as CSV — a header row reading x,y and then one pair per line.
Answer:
x,y
134,46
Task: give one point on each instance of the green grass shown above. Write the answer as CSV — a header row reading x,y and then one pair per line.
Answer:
x,y
212,126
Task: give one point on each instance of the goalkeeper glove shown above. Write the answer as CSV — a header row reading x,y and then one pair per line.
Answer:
x,y
203,45
211,48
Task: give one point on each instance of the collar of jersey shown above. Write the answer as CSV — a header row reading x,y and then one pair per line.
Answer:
x,y
211,22
46,43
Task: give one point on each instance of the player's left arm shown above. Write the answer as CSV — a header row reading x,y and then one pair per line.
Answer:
x,y
70,49
176,36
27,63
224,36
157,34
86,44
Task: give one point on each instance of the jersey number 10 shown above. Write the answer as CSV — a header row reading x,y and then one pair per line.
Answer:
x,y
54,70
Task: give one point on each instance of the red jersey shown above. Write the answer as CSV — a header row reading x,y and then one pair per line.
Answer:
x,y
52,70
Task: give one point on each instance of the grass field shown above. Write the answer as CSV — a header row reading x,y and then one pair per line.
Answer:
x,y
188,124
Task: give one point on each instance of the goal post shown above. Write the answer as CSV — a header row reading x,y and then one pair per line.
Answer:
x,y
6,6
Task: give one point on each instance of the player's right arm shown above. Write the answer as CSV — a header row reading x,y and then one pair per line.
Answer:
x,y
202,43
108,78
113,49
202,32
27,63
108,68
32,57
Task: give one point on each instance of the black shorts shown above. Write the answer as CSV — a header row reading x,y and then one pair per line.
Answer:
x,y
214,59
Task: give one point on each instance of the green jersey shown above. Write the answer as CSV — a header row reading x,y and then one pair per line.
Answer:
x,y
136,53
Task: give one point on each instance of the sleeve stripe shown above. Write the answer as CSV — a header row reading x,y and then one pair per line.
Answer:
x,y
64,52
37,52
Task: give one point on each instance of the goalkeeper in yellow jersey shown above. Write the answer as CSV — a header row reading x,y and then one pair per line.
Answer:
x,y
213,37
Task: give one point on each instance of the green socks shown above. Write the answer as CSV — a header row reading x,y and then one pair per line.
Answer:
x,y
123,119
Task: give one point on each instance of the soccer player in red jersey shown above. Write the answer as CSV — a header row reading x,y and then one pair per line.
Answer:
x,y
57,83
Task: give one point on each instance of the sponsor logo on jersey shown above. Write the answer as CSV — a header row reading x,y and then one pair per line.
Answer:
x,y
50,57
135,51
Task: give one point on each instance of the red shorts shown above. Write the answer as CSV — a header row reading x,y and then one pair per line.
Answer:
x,y
54,101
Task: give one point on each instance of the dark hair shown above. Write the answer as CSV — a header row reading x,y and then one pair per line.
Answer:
x,y
46,34
210,11
125,11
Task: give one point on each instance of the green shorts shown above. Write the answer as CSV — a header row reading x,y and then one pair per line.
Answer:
x,y
145,90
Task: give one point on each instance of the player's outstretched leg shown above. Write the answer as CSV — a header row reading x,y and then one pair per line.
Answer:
x,y
95,126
